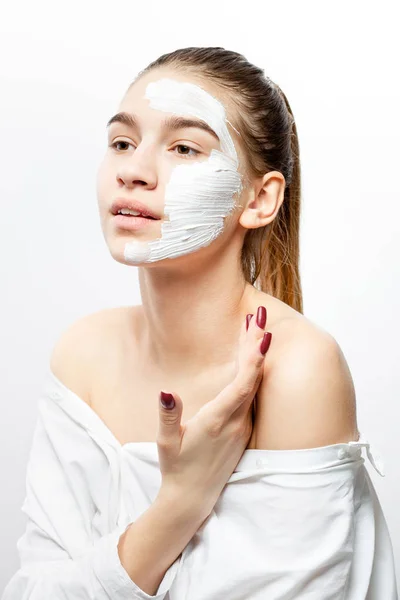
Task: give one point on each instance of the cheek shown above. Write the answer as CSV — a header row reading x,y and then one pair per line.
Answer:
x,y
195,185
105,181
101,175
208,186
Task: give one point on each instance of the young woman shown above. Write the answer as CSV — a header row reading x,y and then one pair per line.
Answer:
x,y
176,455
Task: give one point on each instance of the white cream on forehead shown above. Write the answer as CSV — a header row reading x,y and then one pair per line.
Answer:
x,y
199,195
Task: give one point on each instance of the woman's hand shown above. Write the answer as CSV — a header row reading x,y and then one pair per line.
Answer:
x,y
197,458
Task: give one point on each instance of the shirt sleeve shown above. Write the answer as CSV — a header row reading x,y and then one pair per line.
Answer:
x,y
292,525
69,549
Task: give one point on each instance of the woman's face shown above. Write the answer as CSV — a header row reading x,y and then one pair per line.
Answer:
x,y
189,177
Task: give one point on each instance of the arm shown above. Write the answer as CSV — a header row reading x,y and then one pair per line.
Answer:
x,y
153,542
78,543
307,400
296,523
149,546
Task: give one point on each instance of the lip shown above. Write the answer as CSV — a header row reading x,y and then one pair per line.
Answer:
x,y
120,203
131,223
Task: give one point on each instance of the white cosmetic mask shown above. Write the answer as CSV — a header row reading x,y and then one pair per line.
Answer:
x,y
198,195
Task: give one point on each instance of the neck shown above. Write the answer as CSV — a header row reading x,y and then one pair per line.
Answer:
x,y
191,320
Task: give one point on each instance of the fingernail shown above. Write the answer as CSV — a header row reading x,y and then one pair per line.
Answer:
x,y
248,319
261,316
265,342
167,400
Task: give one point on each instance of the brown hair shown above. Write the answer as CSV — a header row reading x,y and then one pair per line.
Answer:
x,y
266,124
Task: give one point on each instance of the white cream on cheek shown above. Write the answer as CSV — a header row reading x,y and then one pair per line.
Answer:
x,y
199,195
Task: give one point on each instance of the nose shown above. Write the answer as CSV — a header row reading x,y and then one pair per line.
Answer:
x,y
139,168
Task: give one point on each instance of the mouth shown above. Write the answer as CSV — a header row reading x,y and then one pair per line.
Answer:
x,y
132,222
140,216
133,208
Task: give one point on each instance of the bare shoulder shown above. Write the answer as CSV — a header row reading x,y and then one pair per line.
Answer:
x,y
307,396
83,345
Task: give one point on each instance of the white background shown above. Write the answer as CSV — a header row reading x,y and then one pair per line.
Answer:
x,y
64,71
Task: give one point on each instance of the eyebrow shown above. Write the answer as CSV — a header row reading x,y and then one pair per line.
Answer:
x,y
172,123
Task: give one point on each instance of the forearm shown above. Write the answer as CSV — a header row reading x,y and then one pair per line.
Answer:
x,y
153,542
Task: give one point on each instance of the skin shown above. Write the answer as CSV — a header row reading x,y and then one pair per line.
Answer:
x,y
184,335
195,295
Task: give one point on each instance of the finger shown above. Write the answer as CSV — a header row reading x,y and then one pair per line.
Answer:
x,y
249,373
169,425
258,323
240,392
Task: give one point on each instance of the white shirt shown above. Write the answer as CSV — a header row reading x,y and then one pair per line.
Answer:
x,y
289,524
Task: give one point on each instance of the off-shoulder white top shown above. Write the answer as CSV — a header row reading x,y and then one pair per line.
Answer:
x,y
289,524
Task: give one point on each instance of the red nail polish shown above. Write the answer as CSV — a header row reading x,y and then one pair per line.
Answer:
x,y
261,316
265,342
167,400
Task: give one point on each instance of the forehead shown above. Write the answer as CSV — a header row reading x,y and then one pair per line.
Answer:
x,y
135,98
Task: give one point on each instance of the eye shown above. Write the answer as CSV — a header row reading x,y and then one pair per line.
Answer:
x,y
196,152
114,145
184,155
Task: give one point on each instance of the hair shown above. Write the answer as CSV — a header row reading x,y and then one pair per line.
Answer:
x,y
270,254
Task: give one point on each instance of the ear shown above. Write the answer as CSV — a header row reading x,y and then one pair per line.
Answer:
x,y
263,201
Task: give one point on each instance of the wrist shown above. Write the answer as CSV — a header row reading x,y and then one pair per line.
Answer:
x,y
181,507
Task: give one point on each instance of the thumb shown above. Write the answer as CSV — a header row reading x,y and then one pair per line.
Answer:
x,y
170,417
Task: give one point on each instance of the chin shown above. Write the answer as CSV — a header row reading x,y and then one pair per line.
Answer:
x,y
117,251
